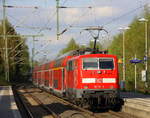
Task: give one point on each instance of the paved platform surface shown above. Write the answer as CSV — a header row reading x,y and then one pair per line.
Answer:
x,y
132,95
8,108
136,104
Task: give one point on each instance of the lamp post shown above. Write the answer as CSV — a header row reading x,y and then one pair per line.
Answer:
x,y
146,45
57,10
123,53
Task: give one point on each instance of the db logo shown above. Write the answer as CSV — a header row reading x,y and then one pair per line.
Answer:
x,y
99,80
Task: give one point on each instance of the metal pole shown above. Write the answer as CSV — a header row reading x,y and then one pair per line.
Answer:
x,y
32,61
4,36
6,43
146,49
57,7
135,76
32,55
124,56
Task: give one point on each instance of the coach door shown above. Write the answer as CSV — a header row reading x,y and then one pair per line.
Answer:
x,y
63,79
70,74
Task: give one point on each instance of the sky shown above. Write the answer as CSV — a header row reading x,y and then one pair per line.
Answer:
x,y
28,20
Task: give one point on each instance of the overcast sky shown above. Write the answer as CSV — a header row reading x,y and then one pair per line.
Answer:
x,y
111,14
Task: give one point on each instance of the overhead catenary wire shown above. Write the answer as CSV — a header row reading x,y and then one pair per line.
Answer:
x,y
64,2
121,16
109,22
52,17
34,7
113,20
66,7
93,11
46,24
72,25
21,22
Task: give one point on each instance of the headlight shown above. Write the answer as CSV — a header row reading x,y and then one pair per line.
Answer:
x,y
86,87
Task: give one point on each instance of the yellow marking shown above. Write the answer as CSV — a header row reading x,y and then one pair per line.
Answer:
x,y
57,68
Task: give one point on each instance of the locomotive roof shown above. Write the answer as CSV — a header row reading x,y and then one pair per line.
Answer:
x,y
83,52
98,55
93,55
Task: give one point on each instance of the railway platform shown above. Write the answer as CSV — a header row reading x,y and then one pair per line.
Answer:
x,y
8,107
136,104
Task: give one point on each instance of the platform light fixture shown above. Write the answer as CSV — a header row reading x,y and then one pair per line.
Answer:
x,y
123,29
145,21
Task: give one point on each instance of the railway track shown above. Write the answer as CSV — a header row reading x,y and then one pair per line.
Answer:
x,y
71,104
24,109
44,106
70,114
27,111
108,114
60,108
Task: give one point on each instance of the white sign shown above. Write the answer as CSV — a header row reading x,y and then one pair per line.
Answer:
x,y
143,75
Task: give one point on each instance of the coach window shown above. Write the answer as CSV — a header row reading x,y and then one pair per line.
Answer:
x,y
70,65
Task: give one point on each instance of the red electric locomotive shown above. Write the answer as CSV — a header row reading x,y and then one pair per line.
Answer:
x,y
85,78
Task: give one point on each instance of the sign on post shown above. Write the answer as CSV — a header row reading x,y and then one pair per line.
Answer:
x,y
143,75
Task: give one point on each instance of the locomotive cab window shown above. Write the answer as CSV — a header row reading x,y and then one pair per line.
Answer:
x,y
90,63
98,63
106,63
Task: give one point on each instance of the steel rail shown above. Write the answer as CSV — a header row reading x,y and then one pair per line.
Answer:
x,y
81,111
22,103
42,105
119,115
73,105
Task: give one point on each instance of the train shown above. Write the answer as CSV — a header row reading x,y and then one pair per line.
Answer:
x,y
84,77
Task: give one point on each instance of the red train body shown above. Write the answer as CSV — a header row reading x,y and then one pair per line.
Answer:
x,y
89,79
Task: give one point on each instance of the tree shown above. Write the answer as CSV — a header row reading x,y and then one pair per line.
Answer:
x,y
17,52
72,45
134,44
